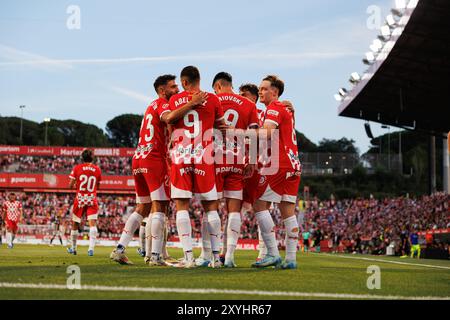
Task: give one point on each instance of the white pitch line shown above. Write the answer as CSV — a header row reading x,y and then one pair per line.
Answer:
x,y
385,261
222,291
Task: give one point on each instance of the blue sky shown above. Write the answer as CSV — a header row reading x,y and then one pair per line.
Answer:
x,y
107,67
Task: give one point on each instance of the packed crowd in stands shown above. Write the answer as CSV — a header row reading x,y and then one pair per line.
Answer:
x,y
370,225
62,165
360,225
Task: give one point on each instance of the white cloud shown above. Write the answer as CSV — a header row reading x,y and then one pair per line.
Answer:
x,y
16,57
131,94
324,41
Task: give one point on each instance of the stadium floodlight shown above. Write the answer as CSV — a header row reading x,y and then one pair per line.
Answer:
x,y
396,12
412,4
338,97
343,92
378,43
46,120
374,48
365,61
400,4
355,78
390,20
385,31
382,38
370,56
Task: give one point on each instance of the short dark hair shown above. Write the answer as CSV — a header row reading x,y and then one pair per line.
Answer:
x,y
87,155
191,73
250,87
223,76
275,82
163,80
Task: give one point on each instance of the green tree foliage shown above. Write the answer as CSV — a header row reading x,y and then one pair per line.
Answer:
x,y
75,133
10,131
304,144
60,133
342,145
123,130
415,151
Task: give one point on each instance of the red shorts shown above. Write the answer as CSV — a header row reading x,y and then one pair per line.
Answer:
x,y
189,179
151,180
229,181
91,211
11,225
282,186
250,188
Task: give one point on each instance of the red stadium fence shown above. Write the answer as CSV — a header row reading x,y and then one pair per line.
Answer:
x,y
60,183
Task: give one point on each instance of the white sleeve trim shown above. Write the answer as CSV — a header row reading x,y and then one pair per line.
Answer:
x,y
273,121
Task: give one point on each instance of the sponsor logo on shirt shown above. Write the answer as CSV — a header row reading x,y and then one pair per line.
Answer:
x,y
273,112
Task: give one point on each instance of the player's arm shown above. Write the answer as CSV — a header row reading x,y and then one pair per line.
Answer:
x,y
73,178
21,214
269,126
174,115
219,122
221,125
290,107
72,182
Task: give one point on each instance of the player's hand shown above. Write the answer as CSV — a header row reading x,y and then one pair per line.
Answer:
x,y
223,127
199,98
249,170
288,105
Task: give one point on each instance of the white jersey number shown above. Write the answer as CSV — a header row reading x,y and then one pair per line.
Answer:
x,y
194,123
150,128
231,117
87,183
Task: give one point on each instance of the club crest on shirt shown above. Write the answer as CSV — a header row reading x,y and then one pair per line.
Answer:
x,y
262,180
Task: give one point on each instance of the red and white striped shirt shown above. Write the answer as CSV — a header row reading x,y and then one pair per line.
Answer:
x,y
12,209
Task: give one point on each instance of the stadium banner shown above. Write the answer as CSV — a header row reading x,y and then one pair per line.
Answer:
x,y
59,181
64,151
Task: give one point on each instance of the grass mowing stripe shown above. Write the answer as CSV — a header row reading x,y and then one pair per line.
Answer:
x,y
386,261
222,291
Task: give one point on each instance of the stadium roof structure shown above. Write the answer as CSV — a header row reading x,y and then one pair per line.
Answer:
x,y
408,82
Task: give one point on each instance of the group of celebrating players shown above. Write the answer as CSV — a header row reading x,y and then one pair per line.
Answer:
x,y
194,144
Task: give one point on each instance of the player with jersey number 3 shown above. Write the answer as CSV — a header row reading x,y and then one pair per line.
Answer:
x,y
150,173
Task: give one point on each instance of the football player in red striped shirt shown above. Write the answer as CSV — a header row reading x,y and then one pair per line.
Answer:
x,y
85,177
251,91
192,169
239,113
12,215
281,186
150,174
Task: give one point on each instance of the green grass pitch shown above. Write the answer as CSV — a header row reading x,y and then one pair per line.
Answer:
x,y
317,274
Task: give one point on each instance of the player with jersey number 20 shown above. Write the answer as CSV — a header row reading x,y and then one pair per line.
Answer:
x,y
86,178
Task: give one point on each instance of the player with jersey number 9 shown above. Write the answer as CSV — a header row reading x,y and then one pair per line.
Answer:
x,y
189,177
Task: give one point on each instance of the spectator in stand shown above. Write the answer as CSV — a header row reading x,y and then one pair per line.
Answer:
x,y
363,225
61,164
